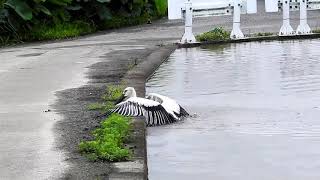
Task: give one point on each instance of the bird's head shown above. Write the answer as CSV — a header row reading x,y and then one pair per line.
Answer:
x,y
129,92
126,94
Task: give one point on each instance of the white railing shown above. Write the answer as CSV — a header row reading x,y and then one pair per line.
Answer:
x,y
187,9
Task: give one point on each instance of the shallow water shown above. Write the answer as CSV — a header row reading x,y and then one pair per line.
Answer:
x,y
256,107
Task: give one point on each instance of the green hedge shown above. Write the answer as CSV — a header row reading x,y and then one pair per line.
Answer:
x,y
20,17
161,6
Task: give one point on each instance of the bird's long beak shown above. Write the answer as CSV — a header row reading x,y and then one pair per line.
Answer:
x,y
122,97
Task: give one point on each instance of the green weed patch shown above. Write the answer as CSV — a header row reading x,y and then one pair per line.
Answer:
x,y
102,107
263,34
216,34
109,139
113,93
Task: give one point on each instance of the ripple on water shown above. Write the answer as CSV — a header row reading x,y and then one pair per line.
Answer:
x,y
256,104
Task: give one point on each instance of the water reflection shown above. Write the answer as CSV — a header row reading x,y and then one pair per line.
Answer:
x,y
257,107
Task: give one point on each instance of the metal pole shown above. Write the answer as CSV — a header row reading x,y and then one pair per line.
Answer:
x,y
303,28
188,36
286,28
236,32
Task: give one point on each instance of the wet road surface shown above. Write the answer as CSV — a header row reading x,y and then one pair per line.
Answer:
x,y
257,108
29,77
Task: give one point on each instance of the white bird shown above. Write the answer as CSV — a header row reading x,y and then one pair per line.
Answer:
x,y
157,109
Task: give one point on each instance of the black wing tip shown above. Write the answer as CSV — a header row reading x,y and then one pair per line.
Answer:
x,y
159,116
170,120
183,112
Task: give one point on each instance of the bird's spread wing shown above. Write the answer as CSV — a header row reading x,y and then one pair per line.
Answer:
x,y
153,111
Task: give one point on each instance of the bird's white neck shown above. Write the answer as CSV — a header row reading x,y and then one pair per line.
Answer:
x,y
133,93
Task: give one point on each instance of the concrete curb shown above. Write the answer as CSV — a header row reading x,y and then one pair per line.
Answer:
x,y
251,39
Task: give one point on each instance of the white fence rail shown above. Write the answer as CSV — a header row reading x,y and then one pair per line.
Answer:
x,y
187,9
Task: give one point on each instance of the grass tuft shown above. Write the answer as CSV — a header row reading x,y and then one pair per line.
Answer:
x,y
49,32
263,34
216,34
316,31
108,142
103,107
61,31
113,93
118,21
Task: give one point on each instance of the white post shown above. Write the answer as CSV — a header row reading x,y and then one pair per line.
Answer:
x,y
188,36
303,28
286,28
236,32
